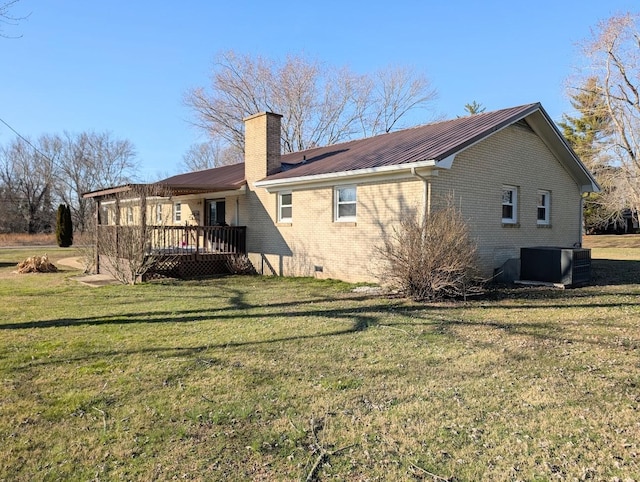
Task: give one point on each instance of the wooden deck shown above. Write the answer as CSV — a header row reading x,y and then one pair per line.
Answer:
x,y
179,251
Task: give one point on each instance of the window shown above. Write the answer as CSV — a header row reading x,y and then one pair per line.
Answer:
x,y
158,213
544,198
285,207
129,215
177,212
509,205
345,199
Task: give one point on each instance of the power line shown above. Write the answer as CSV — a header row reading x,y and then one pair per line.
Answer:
x,y
26,140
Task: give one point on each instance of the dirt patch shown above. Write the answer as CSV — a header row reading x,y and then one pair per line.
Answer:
x,y
75,263
96,280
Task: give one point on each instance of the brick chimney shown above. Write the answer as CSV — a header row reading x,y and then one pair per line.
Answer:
x,y
261,146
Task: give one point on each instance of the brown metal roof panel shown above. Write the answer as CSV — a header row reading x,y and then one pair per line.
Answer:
x,y
432,141
218,178
111,190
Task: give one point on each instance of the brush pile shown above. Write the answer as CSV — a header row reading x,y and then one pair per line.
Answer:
x,y
37,264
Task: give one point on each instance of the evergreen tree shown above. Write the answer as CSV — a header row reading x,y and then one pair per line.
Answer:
x,y
64,226
474,108
587,133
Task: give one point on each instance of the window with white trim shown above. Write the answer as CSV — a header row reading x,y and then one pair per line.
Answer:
x,y
285,207
177,212
345,203
544,207
509,204
129,215
158,213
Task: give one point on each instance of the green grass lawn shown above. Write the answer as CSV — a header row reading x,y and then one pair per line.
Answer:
x,y
250,378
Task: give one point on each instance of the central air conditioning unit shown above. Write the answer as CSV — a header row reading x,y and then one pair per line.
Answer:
x,y
566,266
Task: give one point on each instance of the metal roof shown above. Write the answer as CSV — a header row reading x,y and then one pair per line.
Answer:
x,y
224,178
428,142
111,190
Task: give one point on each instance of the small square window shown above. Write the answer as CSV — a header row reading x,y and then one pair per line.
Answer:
x,y
285,207
345,203
509,205
177,212
544,203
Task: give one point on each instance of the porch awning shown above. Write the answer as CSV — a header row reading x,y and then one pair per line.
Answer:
x,y
218,179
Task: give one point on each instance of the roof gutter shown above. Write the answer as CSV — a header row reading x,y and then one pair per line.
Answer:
x,y
397,171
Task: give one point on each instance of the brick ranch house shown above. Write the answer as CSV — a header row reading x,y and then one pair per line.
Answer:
x,y
324,211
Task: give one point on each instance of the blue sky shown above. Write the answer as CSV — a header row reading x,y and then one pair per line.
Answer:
x,y
124,66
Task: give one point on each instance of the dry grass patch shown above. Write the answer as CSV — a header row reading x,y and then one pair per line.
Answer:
x,y
618,241
250,378
15,239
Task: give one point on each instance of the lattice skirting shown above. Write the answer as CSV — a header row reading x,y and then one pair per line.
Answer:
x,y
191,266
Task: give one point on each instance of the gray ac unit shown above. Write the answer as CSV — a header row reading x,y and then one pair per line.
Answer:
x,y
567,266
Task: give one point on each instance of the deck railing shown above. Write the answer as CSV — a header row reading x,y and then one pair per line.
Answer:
x,y
180,240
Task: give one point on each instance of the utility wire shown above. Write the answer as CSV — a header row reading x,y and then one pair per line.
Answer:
x,y
26,140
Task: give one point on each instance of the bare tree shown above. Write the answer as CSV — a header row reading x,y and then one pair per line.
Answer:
x,y
7,18
396,91
206,155
89,161
589,133
320,104
614,61
27,173
59,169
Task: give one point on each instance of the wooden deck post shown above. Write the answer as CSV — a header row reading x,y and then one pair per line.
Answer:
x,y
97,236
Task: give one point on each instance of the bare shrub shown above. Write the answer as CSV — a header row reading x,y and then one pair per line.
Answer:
x,y
85,244
240,264
128,251
432,257
87,258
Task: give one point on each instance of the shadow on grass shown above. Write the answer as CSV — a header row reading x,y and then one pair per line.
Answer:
x,y
362,319
615,272
360,316
363,314
7,265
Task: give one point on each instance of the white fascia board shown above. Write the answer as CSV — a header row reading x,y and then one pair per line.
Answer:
x,y
399,171
447,162
590,188
560,147
212,194
134,200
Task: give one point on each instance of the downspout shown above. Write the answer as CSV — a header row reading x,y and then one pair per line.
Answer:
x,y
581,226
426,194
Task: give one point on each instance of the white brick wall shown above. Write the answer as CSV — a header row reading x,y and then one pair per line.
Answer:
x,y
513,156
